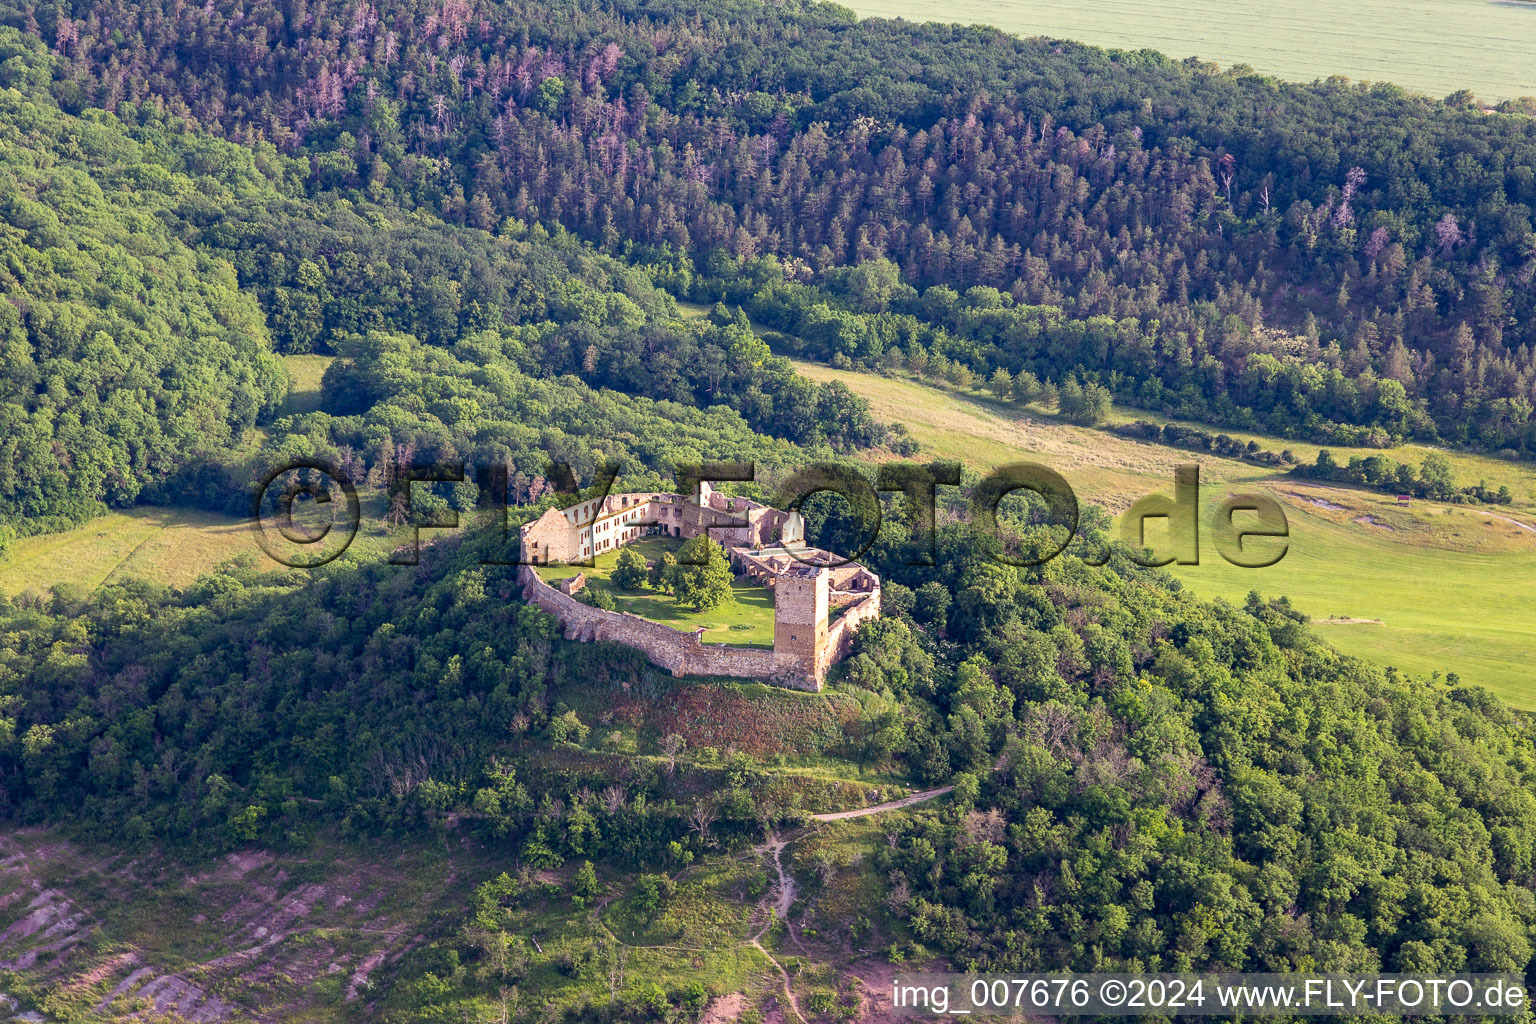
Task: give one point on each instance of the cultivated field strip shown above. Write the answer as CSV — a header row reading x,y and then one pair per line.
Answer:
x,y
1431,46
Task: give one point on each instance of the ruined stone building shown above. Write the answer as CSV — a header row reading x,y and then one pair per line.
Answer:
x,y
819,599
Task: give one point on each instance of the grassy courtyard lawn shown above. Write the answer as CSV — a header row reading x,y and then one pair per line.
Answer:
x,y
745,622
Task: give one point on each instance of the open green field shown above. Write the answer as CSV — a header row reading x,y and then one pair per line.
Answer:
x,y
172,546
1427,587
304,372
745,622
1430,46
164,545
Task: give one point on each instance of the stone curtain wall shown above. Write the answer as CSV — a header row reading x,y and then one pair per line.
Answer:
x,y
843,598
677,652
840,633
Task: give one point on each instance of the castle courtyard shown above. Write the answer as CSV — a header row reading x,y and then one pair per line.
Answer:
x,y
746,621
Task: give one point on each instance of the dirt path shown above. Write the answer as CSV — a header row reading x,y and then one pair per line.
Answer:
x,y
789,988
1324,503
783,894
891,805
1512,522
783,897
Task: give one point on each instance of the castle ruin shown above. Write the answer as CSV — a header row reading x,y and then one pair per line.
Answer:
x,y
819,599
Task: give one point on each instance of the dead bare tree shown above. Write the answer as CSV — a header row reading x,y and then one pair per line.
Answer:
x,y
979,826
766,812
618,956
672,746
1050,725
825,865
701,819
510,1007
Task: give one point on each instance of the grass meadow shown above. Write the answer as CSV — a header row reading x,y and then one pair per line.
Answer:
x,y
170,546
304,373
165,545
1429,46
1429,587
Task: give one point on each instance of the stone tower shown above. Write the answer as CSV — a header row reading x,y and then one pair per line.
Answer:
x,y
800,621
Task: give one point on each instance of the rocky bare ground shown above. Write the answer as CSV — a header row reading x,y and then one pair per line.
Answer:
x,y
249,937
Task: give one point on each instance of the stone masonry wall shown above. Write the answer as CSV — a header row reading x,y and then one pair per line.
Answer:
x,y
677,652
844,598
550,538
840,634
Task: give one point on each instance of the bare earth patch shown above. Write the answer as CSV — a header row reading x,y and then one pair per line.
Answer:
x,y
724,1010
123,938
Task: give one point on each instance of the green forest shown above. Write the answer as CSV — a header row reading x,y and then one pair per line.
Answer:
x,y
499,221
1152,219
